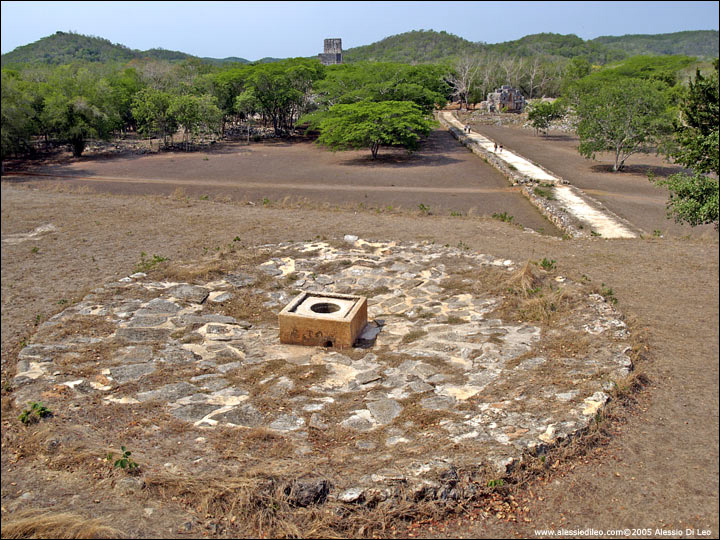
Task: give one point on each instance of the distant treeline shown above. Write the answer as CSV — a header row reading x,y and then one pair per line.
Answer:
x,y
416,47
75,102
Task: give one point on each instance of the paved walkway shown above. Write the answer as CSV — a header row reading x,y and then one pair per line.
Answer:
x,y
570,198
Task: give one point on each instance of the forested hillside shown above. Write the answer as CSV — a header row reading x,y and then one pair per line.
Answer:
x,y
427,46
566,46
67,47
415,47
696,43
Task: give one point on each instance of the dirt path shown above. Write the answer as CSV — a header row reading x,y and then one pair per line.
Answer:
x,y
568,199
660,471
628,193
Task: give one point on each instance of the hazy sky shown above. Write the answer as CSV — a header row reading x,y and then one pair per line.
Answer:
x,y
253,30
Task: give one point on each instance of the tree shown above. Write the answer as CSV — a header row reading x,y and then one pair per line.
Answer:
x,y
370,125
624,117
79,106
578,68
124,86
383,81
462,78
17,114
151,110
544,112
694,198
195,114
281,89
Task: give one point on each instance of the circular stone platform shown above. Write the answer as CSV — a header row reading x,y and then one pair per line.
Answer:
x,y
453,380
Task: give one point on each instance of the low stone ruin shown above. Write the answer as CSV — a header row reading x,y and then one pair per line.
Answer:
x,y
445,385
505,99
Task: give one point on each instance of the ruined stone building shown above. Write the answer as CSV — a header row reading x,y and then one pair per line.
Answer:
x,y
332,53
505,99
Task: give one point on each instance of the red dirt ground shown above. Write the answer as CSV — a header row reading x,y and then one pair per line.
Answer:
x,y
442,175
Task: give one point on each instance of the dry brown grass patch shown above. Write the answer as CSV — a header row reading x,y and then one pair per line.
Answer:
x,y
82,325
413,335
38,524
523,281
252,505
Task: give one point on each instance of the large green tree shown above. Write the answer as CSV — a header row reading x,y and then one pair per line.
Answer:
x,y
281,90
17,114
623,117
196,114
151,110
374,124
694,197
79,106
383,81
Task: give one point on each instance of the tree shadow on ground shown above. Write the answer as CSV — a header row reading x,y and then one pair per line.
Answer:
x,y
556,137
639,169
435,150
399,159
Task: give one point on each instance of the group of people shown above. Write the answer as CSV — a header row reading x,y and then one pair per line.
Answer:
x,y
466,129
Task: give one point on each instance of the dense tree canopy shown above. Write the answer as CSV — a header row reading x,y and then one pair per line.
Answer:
x,y
17,114
624,117
114,91
374,124
694,197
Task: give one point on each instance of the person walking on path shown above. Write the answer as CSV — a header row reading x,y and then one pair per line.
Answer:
x,y
495,148
501,148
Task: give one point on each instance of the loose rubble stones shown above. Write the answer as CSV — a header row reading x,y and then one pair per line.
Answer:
x,y
442,384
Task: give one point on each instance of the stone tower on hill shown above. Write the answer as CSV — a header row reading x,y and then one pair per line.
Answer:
x,y
332,53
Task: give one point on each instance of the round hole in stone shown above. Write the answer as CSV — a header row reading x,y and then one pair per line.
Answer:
x,y
325,307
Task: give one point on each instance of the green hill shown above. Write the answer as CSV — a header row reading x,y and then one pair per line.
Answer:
x,y
703,43
564,45
67,47
416,47
423,46
222,61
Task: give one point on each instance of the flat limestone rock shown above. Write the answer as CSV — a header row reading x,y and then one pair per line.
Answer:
x,y
243,415
189,293
170,392
131,372
384,410
158,305
194,411
141,335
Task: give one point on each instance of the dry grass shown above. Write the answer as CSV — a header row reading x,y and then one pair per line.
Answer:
x,y
523,282
97,326
259,503
532,297
37,524
413,336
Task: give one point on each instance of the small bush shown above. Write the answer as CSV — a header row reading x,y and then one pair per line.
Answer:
x,y
35,413
125,461
503,217
146,264
547,264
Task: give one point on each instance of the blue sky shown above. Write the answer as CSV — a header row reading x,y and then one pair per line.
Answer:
x,y
254,30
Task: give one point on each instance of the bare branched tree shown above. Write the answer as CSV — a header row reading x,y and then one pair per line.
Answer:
x,y
511,67
462,78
